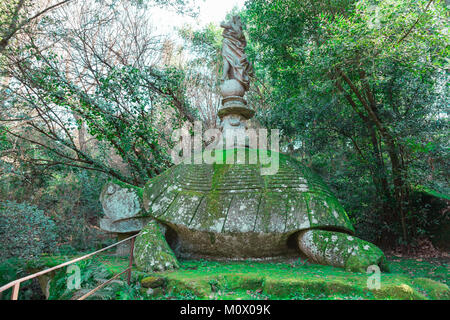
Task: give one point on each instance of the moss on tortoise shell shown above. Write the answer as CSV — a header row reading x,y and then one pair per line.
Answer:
x,y
223,197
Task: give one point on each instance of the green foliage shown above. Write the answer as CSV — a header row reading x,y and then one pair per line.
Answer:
x,y
203,71
128,292
64,131
126,112
25,231
12,269
72,201
89,272
357,88
201,279
69,197
93,272
128,108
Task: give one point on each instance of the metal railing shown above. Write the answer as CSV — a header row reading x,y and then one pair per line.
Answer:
x,y
16,283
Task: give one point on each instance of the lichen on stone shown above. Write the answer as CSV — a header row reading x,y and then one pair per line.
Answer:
x,y
151,251
341,250
232,203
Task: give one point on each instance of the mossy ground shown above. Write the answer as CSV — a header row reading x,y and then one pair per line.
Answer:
x,y
408,279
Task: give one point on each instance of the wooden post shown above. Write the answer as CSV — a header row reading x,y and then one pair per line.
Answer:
x,y
130,265
15,291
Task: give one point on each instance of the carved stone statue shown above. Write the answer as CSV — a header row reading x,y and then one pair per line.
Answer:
x,y
235,63
234,112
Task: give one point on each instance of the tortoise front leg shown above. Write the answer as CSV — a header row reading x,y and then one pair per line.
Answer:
x,y
151,250
340,250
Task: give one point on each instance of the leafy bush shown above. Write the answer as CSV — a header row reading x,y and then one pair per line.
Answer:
x,y
25,231
12,269
90,271
72,201
68,196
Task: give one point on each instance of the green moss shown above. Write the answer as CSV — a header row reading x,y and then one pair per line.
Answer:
x,y
432,289
432,192
291,287
139,191
151,251
241,281
398,292
153,282
198,287
253,280
409,279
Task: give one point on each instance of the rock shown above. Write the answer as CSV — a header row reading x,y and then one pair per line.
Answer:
x,y
124,226
124,213
242,202
233,211
153,282
340,250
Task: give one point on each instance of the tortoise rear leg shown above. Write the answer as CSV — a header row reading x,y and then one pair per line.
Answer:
x,y
340,250
151,250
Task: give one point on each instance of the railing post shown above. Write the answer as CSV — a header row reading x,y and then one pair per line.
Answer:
x,y
130,265
15,291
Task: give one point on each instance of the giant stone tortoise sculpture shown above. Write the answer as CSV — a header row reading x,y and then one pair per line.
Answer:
x,y
231,212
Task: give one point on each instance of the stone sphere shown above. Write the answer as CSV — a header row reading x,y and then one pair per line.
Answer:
x,y
232,88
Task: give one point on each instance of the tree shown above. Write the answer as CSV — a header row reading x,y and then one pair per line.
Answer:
x,y
356,76
17,14
203,71
92,71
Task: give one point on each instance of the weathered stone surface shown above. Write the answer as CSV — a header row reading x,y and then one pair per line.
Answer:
x,y
123,209
235,63
296,207
231,245
242,213
120,202
272,213
211,213
153,282
151,251
228,210
232,88
208,197
340,250
124,226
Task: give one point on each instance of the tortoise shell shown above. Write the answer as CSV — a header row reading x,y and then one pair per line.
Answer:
x,y
230,209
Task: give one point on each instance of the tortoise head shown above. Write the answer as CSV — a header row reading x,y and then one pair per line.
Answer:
x,y
121,201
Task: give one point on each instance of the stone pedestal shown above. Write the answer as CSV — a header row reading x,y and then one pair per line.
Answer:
x,y
234,114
